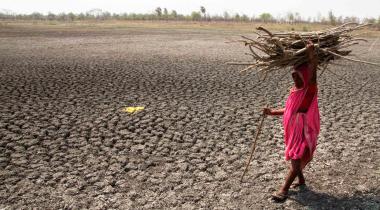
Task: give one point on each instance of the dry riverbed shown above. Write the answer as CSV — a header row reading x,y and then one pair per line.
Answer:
x,y
65,143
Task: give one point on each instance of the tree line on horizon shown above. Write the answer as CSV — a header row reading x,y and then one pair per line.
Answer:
x,y
201,15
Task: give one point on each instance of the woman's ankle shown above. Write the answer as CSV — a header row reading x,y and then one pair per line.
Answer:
x,y
301,181
283,190
301,178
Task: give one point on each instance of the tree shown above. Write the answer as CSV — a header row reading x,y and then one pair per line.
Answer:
x,y
115,16
106,15
158,11
226,16
237,17
51,16
61,16
174,14
244,18
203,11
290,17
370,20
166,13
95,13
266,17
37,16
195,16
71,16
332,18
81,16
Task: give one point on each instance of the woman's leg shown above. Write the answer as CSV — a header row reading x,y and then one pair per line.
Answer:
x,y
294,171
301,178
306,158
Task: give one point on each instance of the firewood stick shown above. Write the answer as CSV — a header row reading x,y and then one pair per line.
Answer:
x,y
241,63
350,59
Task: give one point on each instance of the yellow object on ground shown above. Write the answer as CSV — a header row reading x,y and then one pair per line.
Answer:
x,y
133,109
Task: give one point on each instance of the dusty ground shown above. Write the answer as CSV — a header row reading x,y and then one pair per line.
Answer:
x,y
64,142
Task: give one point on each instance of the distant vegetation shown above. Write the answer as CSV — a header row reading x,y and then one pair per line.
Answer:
x,y
172,15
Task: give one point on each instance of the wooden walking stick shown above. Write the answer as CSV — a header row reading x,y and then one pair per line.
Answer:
x,y
262,117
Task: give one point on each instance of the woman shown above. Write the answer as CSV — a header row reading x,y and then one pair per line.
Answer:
x,y
301,122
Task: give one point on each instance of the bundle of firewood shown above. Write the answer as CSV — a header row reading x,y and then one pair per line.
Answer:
x,y
272,51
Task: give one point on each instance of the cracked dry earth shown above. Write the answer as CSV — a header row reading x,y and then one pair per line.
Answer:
x,y
66,144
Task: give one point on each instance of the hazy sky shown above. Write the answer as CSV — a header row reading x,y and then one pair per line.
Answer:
x,y
307,8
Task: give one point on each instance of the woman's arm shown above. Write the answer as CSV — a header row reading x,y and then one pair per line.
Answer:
x,y
269,111
313,62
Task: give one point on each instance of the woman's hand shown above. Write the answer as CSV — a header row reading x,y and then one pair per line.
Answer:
x,y
310,50
267,111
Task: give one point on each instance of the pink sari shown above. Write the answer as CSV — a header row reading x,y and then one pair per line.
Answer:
x,y
301,129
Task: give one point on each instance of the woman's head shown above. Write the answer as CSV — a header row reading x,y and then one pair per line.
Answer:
x,y
300,76
298,82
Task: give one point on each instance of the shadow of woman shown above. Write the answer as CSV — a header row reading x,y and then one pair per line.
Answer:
x,y
316,200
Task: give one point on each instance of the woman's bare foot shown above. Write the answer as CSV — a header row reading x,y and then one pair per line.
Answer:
x,y
280,196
